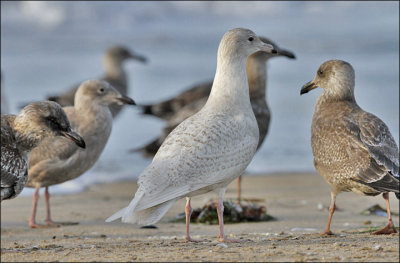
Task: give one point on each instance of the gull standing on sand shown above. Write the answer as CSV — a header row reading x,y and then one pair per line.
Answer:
x,y
353,149
256,68
115,74
23,132
208,150
57,160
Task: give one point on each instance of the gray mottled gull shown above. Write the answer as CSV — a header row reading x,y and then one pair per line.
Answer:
x,y
23,132
353,149
57,160
208,150
115,74
256,68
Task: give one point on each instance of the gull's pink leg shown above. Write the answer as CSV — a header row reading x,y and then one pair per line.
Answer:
x,y
49,222
188,213
389,228
331,211
220,211
32,220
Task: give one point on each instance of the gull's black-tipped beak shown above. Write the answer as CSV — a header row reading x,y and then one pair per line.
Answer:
x,y
125,100
274,51
286,53
75,137
307,87
140,58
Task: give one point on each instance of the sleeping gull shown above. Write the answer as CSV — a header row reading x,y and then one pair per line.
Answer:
x,y
115,74
353,149
57,160
208,150
256,69
23,132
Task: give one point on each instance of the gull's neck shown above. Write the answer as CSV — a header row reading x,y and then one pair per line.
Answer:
x,y
257,74
87,106
333,95
113,67
230,88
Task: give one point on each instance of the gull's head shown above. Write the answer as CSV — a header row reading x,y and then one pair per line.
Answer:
x,y
99,92
118,54
336,77
46,118
241,42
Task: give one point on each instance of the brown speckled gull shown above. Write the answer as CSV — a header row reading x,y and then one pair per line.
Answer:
x,y
57,160
23,132
353,149
207,150
191,101
115,74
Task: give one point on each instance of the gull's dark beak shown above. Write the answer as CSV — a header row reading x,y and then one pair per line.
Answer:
x,y
307,87
75,137
125,100
286,53
138,57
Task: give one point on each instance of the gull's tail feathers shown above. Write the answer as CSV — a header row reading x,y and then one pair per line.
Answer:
x,y
150,215
127,210
146,216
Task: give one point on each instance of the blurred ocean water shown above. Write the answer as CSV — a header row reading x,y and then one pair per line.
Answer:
x,y
48,46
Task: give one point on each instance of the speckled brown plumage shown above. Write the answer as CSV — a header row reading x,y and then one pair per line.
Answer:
x,y
353,149
21,133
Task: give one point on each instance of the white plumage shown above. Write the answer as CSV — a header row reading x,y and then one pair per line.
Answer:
x,y
209,149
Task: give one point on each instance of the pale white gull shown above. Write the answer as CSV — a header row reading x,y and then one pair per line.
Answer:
x,y
256,68
209,149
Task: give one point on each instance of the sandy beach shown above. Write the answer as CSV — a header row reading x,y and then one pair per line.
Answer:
x,y
295,200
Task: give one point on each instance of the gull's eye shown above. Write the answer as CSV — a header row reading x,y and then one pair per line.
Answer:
x,y
101,90
251,39
320,72
54,124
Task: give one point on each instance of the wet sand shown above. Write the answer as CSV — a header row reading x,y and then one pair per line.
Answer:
x,y
295,200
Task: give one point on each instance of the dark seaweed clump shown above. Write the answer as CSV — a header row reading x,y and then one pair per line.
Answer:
x,y
233,213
